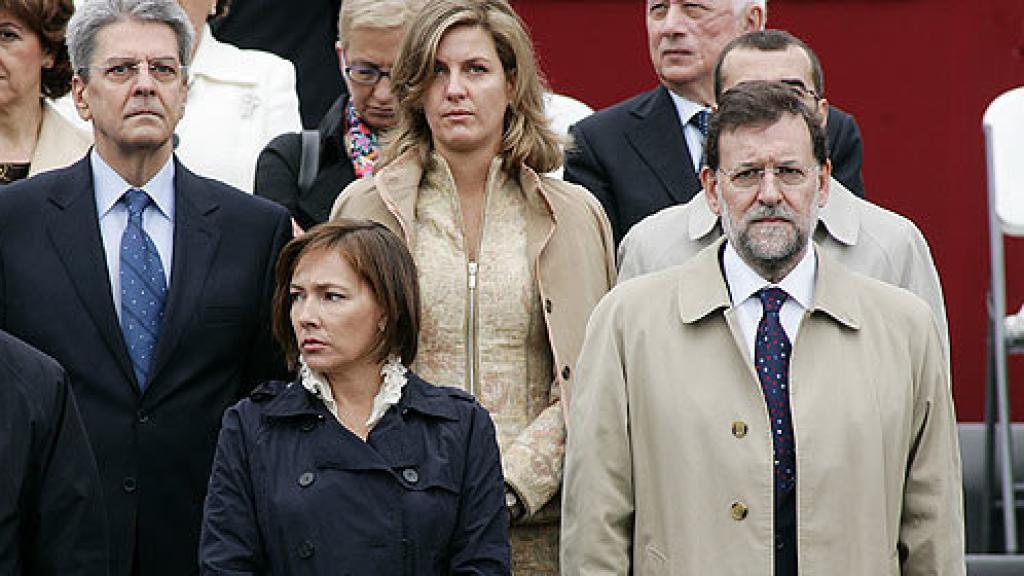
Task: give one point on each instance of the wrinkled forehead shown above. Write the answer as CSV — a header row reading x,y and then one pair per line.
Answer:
x,y
744,64
135,39
787,140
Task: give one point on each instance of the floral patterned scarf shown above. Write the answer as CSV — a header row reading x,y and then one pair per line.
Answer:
x,y
363,147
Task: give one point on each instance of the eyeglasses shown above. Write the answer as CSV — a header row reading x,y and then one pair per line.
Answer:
x,y
365,74
163,70
747,179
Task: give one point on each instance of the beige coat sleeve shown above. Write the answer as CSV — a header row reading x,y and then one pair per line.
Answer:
x,y
931,537
598,501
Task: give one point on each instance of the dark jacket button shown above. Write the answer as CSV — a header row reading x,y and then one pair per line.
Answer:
x,y
308,425
128,484
306,478
306,549
547,305
142,416
411,476
566,373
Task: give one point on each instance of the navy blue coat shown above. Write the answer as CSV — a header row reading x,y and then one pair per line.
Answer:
x,y
294,492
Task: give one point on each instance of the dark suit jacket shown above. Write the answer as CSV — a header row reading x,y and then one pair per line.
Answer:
x,y
51,508
634,159
277,171
153,448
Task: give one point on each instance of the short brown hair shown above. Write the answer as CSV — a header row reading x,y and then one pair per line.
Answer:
x,y
48,19
527,137
761,103
770,41
381,259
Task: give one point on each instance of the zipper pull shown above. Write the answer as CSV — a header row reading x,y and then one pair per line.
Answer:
x,y
472,275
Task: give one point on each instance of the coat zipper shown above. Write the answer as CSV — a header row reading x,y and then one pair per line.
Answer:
x,y
471,335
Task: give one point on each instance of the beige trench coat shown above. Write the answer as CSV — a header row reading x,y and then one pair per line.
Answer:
x,y
571,241
669,457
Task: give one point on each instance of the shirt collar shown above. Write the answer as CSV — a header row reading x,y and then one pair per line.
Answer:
x,y
839,217
744,282
109,186
685,108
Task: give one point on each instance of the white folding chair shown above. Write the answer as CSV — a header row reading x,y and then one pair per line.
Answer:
x,y
1003,124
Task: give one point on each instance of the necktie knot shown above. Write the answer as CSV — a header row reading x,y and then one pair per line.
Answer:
x,y
700,121
772,299
136,200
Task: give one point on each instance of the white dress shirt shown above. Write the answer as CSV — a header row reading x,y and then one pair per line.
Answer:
x,y
157,219
694,139
744,284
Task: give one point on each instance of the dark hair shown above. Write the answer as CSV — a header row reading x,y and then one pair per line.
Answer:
x,y
381,259
770,41
761,103
48,19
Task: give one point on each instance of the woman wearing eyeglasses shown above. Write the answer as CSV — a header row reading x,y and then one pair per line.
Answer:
x,y
348,141
34,67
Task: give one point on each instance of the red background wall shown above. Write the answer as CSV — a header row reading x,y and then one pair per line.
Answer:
x,y
917,74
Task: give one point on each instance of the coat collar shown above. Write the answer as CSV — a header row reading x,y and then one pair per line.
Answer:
x,y
839,218
701,288
293,401
398,184
221,61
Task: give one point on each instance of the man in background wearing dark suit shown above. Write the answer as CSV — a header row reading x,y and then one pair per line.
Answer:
x,y
51,511
643,154
149,284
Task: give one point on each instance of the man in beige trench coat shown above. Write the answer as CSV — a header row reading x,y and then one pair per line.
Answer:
x,y
837,455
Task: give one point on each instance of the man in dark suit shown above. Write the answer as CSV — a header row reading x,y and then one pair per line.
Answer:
x,y
51,511
149,284
643,154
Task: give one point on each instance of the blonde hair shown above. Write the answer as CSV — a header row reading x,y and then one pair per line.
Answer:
x,y
527,138
374,14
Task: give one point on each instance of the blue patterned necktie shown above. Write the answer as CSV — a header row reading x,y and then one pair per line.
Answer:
x,y
700,121
143,288
771,357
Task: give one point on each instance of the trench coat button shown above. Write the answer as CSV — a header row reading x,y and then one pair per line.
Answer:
x,y
547,305
411,475
142,417
129,484
306,478
306,549
566,372
738,511
739,429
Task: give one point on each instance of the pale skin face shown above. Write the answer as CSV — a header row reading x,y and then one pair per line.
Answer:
x,y
334,314
770,225
791,66
22,60
468,95
685,39
377,48
137,117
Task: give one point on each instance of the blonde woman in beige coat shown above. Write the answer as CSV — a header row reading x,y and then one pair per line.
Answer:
x,y
510,262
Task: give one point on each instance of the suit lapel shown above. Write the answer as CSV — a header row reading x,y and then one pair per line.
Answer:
x,y
658,139
74,230
196,238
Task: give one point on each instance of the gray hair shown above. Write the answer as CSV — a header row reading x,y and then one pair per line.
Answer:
x,y
376,15
91,16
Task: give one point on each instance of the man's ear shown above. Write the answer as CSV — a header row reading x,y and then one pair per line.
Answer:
x,y
754,17
824,183
822,109
78,88
710,184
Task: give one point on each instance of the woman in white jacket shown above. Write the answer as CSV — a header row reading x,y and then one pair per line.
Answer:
x,y
238,100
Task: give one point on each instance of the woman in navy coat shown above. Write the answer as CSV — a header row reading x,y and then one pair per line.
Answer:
x,y
359,466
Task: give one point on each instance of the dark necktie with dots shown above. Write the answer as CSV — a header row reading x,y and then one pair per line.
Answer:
x,y
700,121
771,357
143,288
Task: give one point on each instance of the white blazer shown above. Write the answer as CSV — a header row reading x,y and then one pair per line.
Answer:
x,y
238,101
